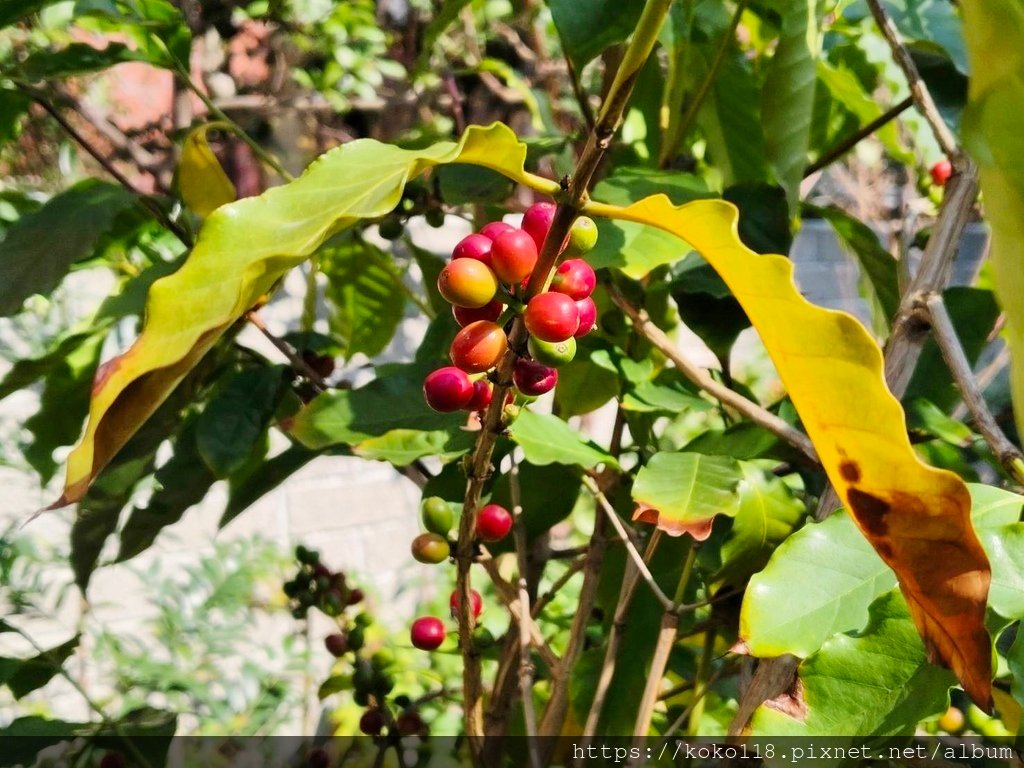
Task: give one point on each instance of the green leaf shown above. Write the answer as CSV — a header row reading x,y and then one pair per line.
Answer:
x,y
26,372
991,131
75,59
546,439
932,23
839,576
202,182
462,184
444,18
707,307
230,425
366,294
13,108
1005,549
787,102
668,393
182,482
684,492
244,491
22,676
547,494
586,29
401,447
41,246
875,683
155,26
16,10
878,264
25,737
584,385
764,216
768,513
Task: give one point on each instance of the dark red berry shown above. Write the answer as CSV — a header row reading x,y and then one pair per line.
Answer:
x,y
552,316
447,389
495,228
372,722
336,644
533,379
409,723
482,394
474,246
427,633
588,316
112,760
318,758
355,596
513,256
575,278
493,523
475,602
466,315
537,221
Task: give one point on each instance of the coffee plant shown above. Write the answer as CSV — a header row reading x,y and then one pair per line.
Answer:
x,y
627,543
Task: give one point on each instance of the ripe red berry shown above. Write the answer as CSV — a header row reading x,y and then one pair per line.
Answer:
x,y
467,283
336,644
941,172
427,633
537,221
588,316
355,597
513,256
409,723
475,246
466,315
552,316
482,394
372,722
494,229
447,389
478,347
493,523
430,548
575,278
532,378
476,603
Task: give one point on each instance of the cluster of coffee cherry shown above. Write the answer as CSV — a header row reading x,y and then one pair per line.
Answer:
x,y
316,586
493,523
485,282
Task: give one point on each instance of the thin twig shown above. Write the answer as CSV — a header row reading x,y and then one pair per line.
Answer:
x,y
634,553
984,378
289,352
680,721
921,95
844,146
479,463
953,353
544,600
525,662
760,416
158,213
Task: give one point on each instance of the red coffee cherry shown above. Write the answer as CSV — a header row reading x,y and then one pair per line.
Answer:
x,y
588,317
430,548
447,389
513,256
552,316
494,229
409,723
537,221
941,172
467,283
575,278
532,378
482,395
474,246
476,603
493,523
372,722
478,347
466,315
336,644
427,633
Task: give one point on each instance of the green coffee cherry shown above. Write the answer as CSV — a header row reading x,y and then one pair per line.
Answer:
x,y
437,515
430,548
552,353
391,227
582,236
307,556
362,675
356,638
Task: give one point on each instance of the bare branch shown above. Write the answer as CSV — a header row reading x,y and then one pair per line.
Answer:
x,y
294,358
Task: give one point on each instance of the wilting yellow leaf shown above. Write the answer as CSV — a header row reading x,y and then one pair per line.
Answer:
x,y
243,249
916,517
201,181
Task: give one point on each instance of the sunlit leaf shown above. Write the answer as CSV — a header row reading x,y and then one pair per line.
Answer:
x,y
546,439
201,181
684,492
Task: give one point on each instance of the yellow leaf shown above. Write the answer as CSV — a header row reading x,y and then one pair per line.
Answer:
x,y
916,517
242,250
201,181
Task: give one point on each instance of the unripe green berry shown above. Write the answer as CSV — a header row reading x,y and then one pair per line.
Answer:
x,y
307,556
430,548
435,217
356,638
391,227
582,236
362,676
553,353
437,515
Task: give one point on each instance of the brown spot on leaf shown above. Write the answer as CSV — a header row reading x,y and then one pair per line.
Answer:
x,y
870,511
699,529
791,702
850,471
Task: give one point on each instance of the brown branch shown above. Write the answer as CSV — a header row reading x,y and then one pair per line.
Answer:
x,y
748,408
1008,454
286,349
479,463
919,91
844,146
